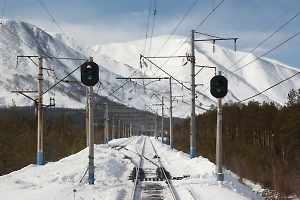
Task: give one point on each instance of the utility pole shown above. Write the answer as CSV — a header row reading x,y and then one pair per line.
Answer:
x,y
193,118
220,175
113,129
87,118
106,125
171,120
156,127
119,129
124,131
91,177
193,85
40,153
162,121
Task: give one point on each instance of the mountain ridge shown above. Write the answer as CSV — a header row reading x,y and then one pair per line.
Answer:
x,y
122,60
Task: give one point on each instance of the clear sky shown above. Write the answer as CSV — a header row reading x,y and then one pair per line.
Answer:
x,y
99,22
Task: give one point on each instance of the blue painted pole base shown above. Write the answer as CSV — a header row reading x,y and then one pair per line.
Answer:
x,y
40,157
162,140
87,144
91,178
171,144
220,177
193,152
106,141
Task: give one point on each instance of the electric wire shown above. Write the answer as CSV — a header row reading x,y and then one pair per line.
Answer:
x,y
265,40
195,30
154,15
248,17
147,26
176,27
3,9
258,59
270,25
269,88
30,47
267,52
58,25
189,36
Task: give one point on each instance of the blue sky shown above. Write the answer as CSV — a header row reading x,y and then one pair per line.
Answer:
x,y
94,22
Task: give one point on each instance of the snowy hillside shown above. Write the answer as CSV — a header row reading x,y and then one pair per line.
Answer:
x,y
249,80
58,180
123,60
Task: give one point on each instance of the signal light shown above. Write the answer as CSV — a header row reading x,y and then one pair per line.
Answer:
x,y
218,86
89,73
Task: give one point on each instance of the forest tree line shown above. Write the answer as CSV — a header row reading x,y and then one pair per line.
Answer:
x,y
18,139
261,141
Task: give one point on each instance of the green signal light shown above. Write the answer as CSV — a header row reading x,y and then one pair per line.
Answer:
x,y
89,77
219,90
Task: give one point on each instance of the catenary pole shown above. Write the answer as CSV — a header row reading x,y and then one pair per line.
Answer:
x,y
220,175
106,125
40,153
162,121
87,118
91,136
113,129
119,129
192,120
171,120
156,127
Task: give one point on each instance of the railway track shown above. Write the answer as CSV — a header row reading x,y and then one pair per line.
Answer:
x,y
151,180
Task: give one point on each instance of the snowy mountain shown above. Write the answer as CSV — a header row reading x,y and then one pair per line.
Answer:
x,y
122,60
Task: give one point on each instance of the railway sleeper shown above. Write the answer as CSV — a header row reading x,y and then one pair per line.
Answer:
x,y
149,175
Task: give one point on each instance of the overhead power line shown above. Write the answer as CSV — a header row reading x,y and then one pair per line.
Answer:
x,y
269,88
267,52
147,26
57,25
18,38
176,27
3,9
265,39
270,24
195,30
248,17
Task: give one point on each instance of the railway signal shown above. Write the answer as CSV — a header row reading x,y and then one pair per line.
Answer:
x,y
218,86
89,73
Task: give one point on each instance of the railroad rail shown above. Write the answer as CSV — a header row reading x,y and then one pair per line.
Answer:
x,y
151,180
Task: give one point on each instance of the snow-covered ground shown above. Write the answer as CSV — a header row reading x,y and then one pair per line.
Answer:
x,y
58,180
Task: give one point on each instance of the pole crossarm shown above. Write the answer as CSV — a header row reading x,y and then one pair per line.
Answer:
x,y
23,91
214,39
204,66
158,78
141,56
164,56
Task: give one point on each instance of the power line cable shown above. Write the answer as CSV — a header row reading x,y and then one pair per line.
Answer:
x,y
176,28
267,52
154,15
269,87
147,26
248,17
3,9
209,14
259,56
270,24
18,38
265,39
195,30
57,25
